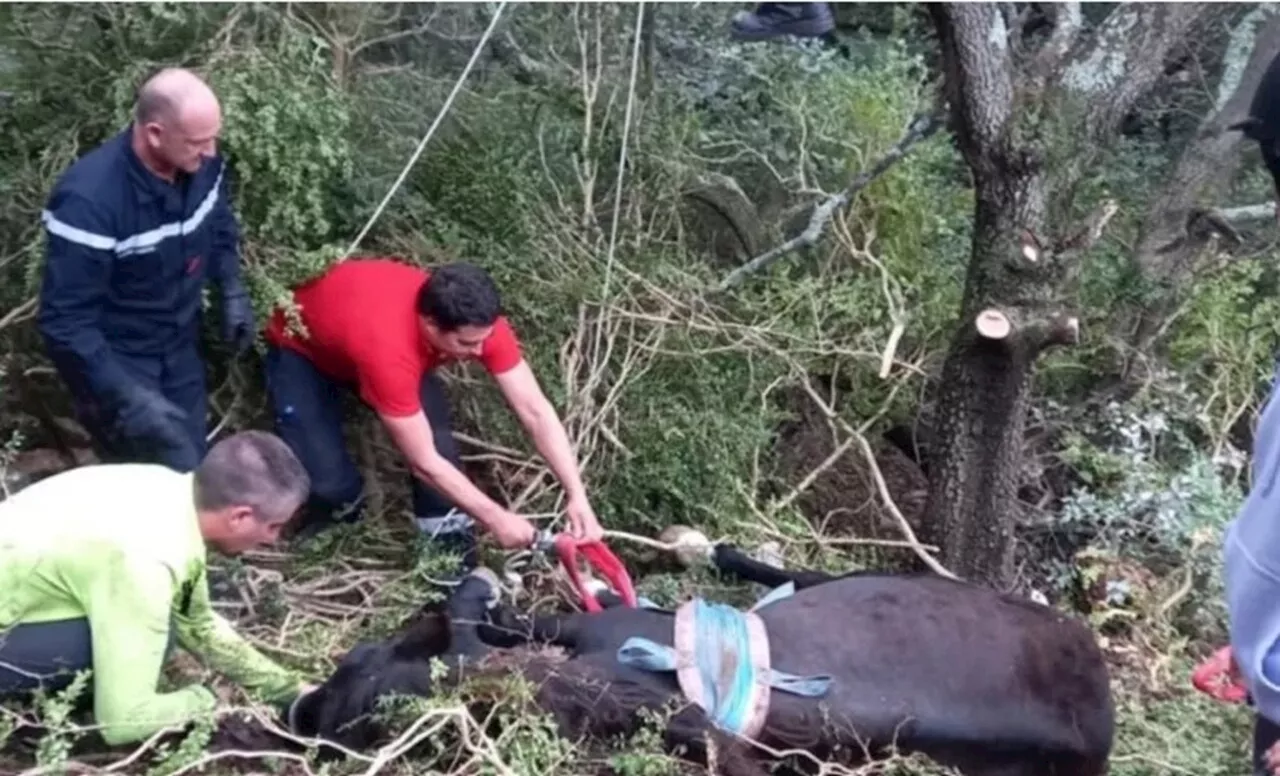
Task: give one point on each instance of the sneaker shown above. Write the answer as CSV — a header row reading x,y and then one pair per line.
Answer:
x,y
453,533
773,20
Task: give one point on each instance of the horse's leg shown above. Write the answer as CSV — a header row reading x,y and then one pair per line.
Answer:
x,y
507,628
972,762
691,736
595,696
609,599
468,607
731,560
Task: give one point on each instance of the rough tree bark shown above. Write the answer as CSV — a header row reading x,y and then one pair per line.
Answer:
x,y
1016,300
1184,223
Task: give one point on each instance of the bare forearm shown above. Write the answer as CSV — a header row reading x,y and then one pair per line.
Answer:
x,y
551,440
444,477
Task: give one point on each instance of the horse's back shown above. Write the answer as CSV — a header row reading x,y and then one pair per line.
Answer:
x,y
955,662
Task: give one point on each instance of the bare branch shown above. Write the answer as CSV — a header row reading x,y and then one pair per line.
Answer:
x,y
1067,21
1059,329
1261,212
1245,40
1037,333
1092,230
921,127
413,32
1166,247
1126,58
19,314
975,50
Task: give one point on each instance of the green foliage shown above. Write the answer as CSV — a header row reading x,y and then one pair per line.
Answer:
x,y
1147,475
286,136
1151,496
1226,340
693,425
168,759
1180,731
643,755
473,191
56,710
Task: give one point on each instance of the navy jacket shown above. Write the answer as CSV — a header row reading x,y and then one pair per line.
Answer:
x,y
128,254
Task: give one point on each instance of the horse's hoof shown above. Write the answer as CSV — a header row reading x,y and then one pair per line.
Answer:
x,y
490,578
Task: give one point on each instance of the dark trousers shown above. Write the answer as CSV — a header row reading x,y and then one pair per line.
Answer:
x,y
48,655
1265,734
308,414
179,377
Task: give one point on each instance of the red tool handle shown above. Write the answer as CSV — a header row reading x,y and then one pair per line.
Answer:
x,y
1219,678
603,560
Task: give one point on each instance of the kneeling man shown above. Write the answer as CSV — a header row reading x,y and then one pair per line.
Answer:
x,y
102,568
381,328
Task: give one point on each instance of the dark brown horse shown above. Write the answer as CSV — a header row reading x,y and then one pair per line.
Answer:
x,y
992,684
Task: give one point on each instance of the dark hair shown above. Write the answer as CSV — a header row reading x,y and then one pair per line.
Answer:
x,y
256,469
460,294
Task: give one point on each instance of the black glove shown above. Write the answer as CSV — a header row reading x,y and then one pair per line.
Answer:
x,y
238,328
146,415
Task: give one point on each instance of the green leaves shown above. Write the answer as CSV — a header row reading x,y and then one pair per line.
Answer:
x,y
286,138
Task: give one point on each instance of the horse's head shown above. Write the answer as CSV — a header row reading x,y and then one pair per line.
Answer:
x,y
342,708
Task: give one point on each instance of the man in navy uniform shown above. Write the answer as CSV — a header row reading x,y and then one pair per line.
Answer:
x,y
134,229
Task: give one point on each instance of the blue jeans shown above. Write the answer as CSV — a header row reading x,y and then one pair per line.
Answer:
x,y
48,655
179,377
308,416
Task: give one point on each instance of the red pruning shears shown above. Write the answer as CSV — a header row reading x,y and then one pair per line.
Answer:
x,y
596,553
1219,678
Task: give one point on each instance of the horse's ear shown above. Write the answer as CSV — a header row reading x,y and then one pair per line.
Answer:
x,y
429,635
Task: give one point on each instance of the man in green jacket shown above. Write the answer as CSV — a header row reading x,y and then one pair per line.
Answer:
x,y
103,567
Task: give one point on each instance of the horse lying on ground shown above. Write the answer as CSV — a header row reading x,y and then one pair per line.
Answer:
x,y
989,683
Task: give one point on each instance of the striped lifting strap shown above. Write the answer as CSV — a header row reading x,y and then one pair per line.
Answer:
x,y
722,663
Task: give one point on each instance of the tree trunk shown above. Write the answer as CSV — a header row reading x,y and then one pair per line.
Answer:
x,y
1009,316
1180,227
1018,284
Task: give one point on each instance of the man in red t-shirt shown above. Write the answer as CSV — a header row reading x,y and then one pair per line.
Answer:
x,y
381,328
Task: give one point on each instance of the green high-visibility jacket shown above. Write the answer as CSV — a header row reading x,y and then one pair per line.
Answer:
x,y
120,544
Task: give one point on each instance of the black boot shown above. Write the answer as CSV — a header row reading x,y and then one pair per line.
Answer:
x,y
319,516
773,20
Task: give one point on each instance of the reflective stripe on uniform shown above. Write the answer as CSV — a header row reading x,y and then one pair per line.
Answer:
x,y
143,242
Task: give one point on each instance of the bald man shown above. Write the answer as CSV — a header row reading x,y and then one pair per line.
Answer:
x,y
135,227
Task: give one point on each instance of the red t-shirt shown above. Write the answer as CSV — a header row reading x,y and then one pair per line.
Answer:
x,y
361,319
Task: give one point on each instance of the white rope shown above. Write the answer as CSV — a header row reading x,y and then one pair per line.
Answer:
x,y
444,110
622,155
